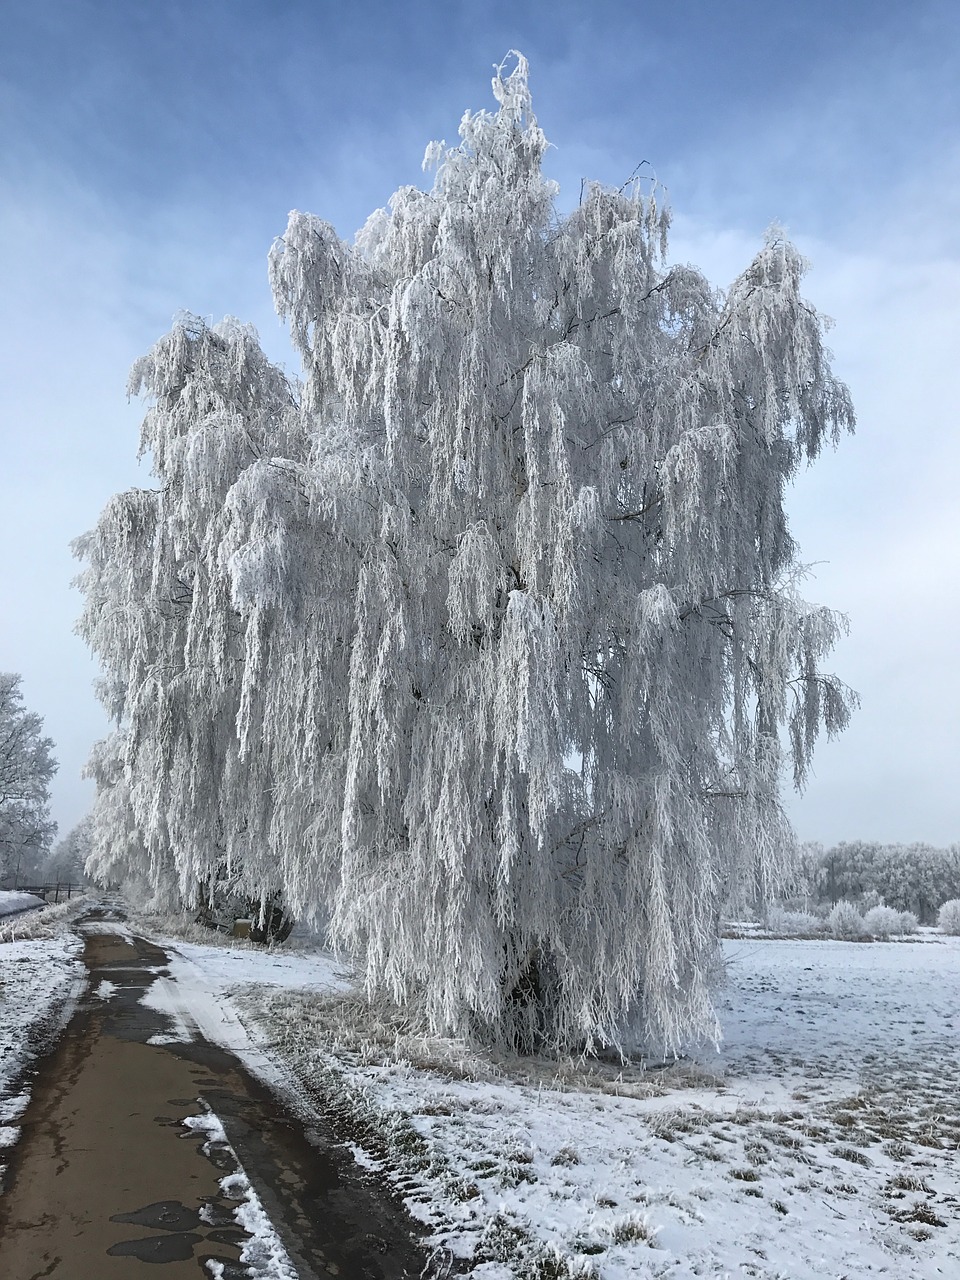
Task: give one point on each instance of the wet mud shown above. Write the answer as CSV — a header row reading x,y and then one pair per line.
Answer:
x,y
107,1181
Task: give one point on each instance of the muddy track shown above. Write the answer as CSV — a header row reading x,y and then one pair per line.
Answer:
x,y
107,1180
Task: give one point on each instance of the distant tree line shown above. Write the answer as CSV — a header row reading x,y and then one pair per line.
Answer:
x,y
908,877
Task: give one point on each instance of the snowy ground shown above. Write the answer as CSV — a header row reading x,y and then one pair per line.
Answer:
x,y
195,995
263,1251
820,1142
40,977
14,900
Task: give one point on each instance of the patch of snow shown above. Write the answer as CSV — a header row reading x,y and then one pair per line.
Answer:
x,y
14,900
164,996
37,976
263,1253
13,1108
364,1158
106,989
40,981
117,927
193,992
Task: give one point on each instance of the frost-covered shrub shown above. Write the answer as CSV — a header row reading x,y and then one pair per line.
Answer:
x,y
845,921
908,922
882,921
792,924
948,921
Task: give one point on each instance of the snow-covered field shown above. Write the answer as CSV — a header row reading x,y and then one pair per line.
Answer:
x,y
821,1140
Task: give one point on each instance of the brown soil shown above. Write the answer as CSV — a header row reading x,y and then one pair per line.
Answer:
x,y
106,1182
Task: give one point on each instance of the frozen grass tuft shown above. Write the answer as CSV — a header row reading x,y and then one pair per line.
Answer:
x,y
566,1156
634,1228
49,922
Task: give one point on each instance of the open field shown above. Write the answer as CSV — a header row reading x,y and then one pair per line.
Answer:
x,y
820,1141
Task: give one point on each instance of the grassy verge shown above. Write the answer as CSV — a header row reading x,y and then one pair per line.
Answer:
x,y
300,1025
48,922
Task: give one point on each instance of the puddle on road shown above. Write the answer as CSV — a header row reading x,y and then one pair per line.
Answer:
x,y
168,1215
175,1247
108,1181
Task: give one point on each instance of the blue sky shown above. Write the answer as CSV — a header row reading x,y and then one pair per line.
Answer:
x,y
149,153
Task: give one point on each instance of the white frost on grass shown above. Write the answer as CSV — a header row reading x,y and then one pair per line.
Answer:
x,y
820,1141
263,1253
48,923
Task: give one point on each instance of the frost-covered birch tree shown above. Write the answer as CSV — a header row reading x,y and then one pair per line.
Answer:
x,y
508,652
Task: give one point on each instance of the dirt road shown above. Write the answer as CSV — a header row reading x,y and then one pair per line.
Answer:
x,y
108,1181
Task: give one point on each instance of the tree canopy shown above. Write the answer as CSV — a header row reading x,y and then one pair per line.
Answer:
x,y
484,641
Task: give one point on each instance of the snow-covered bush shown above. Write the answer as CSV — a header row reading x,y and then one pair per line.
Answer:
x,y
908,922
792,924
882,921
948,921
845,921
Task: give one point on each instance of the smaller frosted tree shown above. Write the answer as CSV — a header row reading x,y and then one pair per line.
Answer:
x,y
26,768
883,922
845,922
